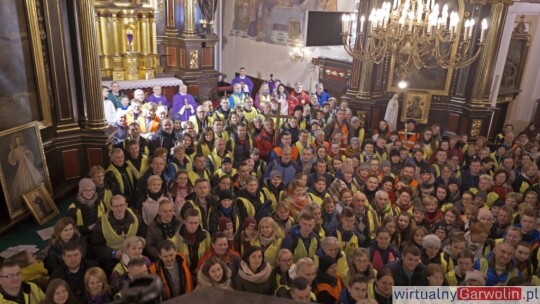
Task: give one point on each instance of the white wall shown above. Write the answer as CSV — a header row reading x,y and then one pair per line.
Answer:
x,y
523,108
262,59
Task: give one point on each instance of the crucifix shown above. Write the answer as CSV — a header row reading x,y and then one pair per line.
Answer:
x,y
123,236
277,123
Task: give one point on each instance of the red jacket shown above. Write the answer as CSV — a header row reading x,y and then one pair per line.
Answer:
x,y
265,144
296,99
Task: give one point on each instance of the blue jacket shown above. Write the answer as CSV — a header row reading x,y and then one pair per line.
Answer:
x,y
487,266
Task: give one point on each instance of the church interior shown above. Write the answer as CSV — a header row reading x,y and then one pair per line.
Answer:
x,y
74,71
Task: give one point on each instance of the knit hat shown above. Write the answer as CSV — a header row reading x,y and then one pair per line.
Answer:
x,y
424,169
86,183
223,222
364,166
439,227
475,275
249,221
326,262
431,240
386,163
394,152
314,122
484,212
226,160
275,173
481,194
225,194
325,103
249,251
453,181
410,120
355,119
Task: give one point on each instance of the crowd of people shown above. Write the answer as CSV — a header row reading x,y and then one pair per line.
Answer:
x,y
313,207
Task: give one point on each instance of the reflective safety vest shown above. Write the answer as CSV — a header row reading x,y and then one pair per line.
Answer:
x,y
491,196
270,252
118,176
183,248
138,172
34,296
332,290
301,252
447,262
114,240
350,246
451,278
107,196
78,214
269,195
193,176
317,199
342,266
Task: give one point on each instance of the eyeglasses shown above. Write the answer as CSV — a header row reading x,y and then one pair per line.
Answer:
x,y
12,276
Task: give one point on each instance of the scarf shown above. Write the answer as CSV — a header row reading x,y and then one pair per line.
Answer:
x,y
168,230
298,203
474,248
266,241
227,211
88,202
260,277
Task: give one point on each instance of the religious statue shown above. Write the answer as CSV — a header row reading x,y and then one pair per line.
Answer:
x,y
391,115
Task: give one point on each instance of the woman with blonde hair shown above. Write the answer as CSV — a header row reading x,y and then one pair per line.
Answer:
x,y
214,273
269,238
133,248
298,198
360,264
97,289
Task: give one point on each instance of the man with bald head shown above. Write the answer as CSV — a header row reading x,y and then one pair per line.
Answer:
x,y
200,119
499,267
285,165
366,218
184,105
164,137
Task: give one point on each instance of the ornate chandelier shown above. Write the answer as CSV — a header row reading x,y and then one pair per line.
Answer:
x,y
416,33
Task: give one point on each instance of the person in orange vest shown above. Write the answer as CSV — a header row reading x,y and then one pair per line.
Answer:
x,y
173,271
329,284
409,136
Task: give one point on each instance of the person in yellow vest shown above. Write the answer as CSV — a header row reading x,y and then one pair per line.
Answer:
x,y
216,157
165,226
450,253
330,247
136,161
465,262
120,176
346,232
199,170
318,192
103,188
133,249
87,208
194,241
302,241
329,282
499,268
14,290
269,238
201,120
485,183
273,188
112,229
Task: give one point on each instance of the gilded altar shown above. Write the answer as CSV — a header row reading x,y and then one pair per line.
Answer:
x,y
127,38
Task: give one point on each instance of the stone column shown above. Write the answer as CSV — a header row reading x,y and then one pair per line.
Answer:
x,y
90,66
488,58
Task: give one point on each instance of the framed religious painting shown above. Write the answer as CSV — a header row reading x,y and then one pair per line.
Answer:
x,y
22,165
24,93
431,77
514,66
416,106
40,203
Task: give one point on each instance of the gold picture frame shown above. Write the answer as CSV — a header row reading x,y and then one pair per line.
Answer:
x,y
416,106
40,203
436,80
22,165
26,90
